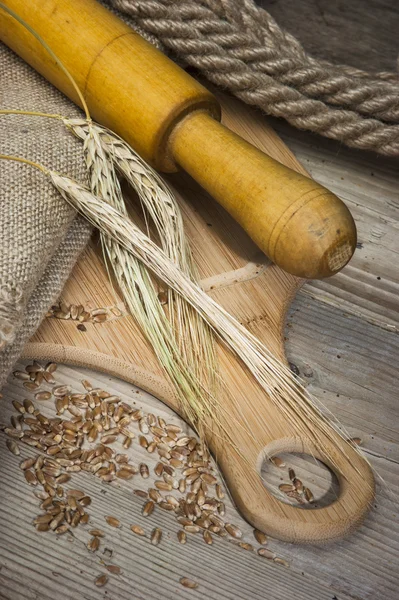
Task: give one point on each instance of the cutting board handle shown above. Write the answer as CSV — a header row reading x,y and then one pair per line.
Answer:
x,y
242,471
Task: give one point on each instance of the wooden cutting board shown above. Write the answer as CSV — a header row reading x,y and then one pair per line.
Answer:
x,y
257,293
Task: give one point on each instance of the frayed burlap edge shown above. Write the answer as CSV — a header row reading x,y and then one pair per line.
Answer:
x,y
46,291
11,307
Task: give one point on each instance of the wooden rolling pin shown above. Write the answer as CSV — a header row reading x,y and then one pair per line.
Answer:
x,y
172,121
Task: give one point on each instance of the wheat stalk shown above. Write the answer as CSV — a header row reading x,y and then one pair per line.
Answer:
x,y
193,358
184,344
272,375
138,288
193,336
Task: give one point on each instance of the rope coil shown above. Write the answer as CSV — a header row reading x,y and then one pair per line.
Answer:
x,y
239,46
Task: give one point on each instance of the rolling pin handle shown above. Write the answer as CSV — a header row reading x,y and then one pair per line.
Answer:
x,y
300,225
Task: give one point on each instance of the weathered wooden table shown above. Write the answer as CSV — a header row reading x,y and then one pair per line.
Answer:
x,y
341,337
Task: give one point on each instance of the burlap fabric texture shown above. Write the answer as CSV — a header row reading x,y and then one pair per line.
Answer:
x,y
40,235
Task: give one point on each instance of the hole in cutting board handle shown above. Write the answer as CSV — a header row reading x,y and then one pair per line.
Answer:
x,y
309,473
309,468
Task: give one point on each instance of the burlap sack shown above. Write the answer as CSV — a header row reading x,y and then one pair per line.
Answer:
x,y
40,235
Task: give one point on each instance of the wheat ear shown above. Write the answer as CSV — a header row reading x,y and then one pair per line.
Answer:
x,y
193,336
138,289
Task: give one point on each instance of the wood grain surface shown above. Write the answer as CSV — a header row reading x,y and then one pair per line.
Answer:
x,y
360,33
43,566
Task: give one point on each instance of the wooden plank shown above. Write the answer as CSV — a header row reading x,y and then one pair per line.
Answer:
x,y
364,377
351,366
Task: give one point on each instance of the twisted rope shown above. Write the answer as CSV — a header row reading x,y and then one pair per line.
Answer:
x,y
239,47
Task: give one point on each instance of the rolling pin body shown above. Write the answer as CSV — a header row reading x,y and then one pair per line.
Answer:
x,y
169,118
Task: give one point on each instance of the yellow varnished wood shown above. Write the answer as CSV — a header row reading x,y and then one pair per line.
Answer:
x,y
166,115
114,68
298,223
221,251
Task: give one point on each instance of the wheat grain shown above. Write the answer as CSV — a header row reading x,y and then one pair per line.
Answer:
x,y
114,569
192,528
286,487
188,583
308,495
156,536
96,532
61,529
43,396
277,461
21,375
148,508
200,508
137,530
265,553
31,385
233,530
144,471
207,537
101,580
140,493
27,463
113,521
93,544
13,447
260,537
182,537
